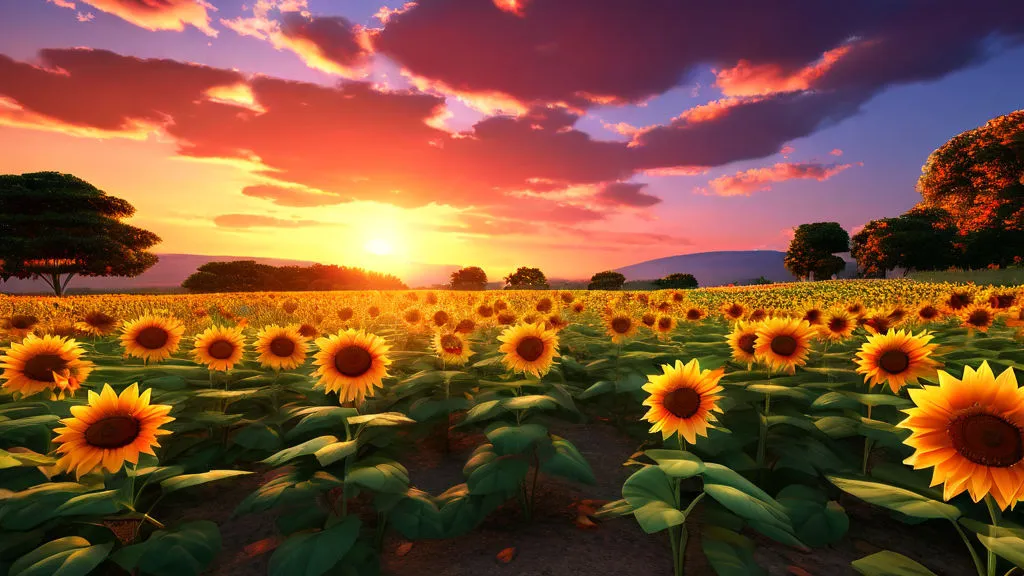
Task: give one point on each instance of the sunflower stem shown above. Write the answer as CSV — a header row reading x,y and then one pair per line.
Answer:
x,y
867,449
996,515
676,571
970,547
762,444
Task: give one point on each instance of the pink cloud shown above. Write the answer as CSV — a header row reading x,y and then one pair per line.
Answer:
x,y
629,194
62,3
761,179
86,17
836,152
748,79
158,15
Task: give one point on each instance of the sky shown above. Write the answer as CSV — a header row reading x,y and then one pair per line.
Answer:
x,y
572,135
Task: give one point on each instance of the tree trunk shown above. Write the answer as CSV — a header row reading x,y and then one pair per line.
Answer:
x,y
58,288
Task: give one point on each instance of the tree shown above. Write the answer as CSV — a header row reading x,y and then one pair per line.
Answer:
x,y
526,279
471,278
921,239
677,280
250,276
811,248
55,226
978,178
607,280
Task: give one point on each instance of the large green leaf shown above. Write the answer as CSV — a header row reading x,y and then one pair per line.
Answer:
x,y
888,563
417,517
649,484
497,474
530,402
818,522
69,556
382,419
567,462
29,508
729,553
898,499
380,475
185,550
307,448
428,408
676,463
1007,545
315,554
258,436
189,480
320,418
23,458
334,452
509,439
483,411
92,504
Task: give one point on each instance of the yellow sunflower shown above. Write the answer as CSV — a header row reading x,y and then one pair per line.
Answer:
x,y
837,325
281,348
351,363
664,325
18,326
695,314
897,357
620,326
648,320
856,308
39,364
219,347
96,323
813,315
682,400
529,348
733,311
958,300
110,431
452,348
742,340
977,317
928,312
876,322
757,315
972,432
152,338
783,343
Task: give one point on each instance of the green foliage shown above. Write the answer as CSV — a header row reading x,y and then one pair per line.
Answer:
x,y
250,276
607,280
921,239
471,278
55,226
525,278
677,280
813,247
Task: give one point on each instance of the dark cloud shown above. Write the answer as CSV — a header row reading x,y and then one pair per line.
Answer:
x,y
332,40
626,194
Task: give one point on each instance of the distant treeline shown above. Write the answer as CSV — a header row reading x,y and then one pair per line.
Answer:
x,y
249,276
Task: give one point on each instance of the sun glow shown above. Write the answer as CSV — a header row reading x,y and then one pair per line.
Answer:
x,y
378,246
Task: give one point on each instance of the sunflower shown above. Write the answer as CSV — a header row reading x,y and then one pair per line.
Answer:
x,y
110,431
876,322
977,317
682,400
783,343
813,315
958,300
484,311
413,317
307,330
578,307
855,308
96,323
529,348
440,318
289,306
452,348
972,432
281,348
1002,300
49,363
620,326
544,305
757,315
648,320
927,312
351,363
695,314
152,338
373,311
1015,317
567,297
733,310
430,298
18,326
837,325
219,347
506,318
898,314
742,340
345,314
664,325
556,322
465,326
897,357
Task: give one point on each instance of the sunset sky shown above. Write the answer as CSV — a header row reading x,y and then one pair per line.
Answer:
x,y
573,135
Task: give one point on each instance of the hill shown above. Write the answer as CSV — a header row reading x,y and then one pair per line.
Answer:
x,y
719,268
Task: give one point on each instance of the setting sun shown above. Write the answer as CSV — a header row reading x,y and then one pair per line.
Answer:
x,y
378,246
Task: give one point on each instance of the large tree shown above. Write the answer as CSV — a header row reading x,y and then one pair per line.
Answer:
x,y
921,239
978,178
470,278
677,280
607,280
526,279
250,276
55,226
813,249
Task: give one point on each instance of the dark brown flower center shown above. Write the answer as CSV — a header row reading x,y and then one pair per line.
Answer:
x,y
353,361
440,318
485,311
648,319
897,314
855,308
221,350
758,315
282,346
813,316
746,343
677,297
894,361
959,300
979,318
735,311
451,344
465,326
152,338
567,297
412,316
506,319
544,305
987,440
621,325
99,320
22,322
1002,300
682,402
784,345
307,330
530,348
838,325
42,366
928,312
664,323
112,432
693,314
373,311
345,314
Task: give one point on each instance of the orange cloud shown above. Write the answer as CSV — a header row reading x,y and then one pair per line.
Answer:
x,y
761,179
158,14
748,79
292,196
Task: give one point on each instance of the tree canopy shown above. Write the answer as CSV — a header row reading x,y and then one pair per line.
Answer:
x,y
677,280
55,226
921,239
607,280
813,249
250,276
470,278
526,279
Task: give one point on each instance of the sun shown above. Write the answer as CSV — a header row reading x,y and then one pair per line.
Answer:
x,y
378,246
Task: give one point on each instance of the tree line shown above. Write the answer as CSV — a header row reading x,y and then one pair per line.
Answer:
x,y
250,276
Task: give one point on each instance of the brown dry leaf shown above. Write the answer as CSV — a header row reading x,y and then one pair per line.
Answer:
x,y
590,507
262,546
583,521
798,571
403,549
506,555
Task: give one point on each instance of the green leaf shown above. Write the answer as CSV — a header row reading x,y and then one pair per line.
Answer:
x,y
743,505
729,553
838,426
24,458
496,474
529,402
258,436
818,522
676,463
380,476
92,504
334,452
186,549
315,554
614,510
649,484
320,418
1008,546
189,480
880,399
69,556
425,409
597,389
382,419
417,517
7,426
29,508
898,499
307,448
567,462
888,563
656,516
834,401
483,411
510,439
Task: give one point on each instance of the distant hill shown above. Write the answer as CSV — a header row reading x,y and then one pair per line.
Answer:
x,y
720,268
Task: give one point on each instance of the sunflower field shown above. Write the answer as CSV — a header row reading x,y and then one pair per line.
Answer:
x,y
790,421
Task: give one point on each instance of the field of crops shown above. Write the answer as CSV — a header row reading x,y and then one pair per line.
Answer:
x,y
870,427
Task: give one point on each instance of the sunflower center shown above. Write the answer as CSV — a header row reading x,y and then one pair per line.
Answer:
x,y
746,343
345,314
693,314
112,432
42,366
440,318
221,350
281,346
664,323
621,325
530,348
451,344
544,305
813,316
894,361
783,345
928,312
735,311
22,322
987,440
353,361
978,318
682,402
99,320
152,338
838,324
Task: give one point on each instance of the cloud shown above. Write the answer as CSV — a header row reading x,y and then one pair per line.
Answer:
x,y
260,221
291,196
86,17
158,14
626,194
747,79
62,3
836,152
747,182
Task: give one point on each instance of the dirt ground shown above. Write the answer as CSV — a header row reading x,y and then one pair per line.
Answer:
x,y
552,544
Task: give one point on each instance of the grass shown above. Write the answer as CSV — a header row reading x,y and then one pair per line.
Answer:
x,y
1013,276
